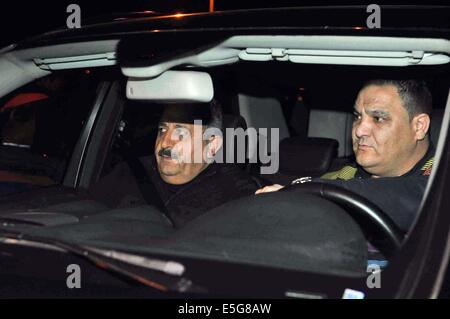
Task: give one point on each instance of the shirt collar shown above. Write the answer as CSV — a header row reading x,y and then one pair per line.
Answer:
x,y
417,169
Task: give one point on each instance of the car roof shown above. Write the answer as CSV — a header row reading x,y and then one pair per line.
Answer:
x,y
120,16
345,20
217,38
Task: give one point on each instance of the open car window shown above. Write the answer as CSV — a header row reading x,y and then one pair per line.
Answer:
x,y
40,125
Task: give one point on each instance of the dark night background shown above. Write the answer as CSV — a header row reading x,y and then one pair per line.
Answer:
x,y
22,19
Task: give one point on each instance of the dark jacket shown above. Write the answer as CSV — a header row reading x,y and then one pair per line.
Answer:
x,y
217,184
399,197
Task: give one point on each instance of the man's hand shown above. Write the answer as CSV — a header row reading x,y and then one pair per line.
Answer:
x,y
268,189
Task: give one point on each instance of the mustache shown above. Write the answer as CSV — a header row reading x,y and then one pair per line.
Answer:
x,y
168,152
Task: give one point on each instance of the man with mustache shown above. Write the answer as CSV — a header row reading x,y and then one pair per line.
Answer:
x,y
393,153
185,181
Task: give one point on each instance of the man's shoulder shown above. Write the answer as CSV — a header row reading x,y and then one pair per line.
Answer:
x,y
150,166
351,171
149,162
346,172
427,167
229,179
232,171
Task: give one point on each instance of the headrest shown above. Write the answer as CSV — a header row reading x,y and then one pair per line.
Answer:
x,y
332,124
233,122
306,156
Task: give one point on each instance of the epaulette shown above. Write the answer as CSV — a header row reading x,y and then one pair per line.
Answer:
x,y
345,173
426,169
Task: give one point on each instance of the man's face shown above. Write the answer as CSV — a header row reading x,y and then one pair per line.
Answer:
x,y
384,138
179,152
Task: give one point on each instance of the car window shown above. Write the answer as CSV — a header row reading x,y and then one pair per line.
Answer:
x,y
39,126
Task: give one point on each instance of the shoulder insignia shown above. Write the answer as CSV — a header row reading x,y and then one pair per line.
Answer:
x,y
426,169
346,173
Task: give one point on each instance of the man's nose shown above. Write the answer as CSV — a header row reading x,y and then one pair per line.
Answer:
x,y
166,139
363,127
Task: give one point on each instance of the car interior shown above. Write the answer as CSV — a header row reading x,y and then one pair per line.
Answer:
x,y
302,86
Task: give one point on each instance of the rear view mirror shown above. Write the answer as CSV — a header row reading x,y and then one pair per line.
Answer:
x,y
172,86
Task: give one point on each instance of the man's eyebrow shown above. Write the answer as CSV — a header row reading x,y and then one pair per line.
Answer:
x,y
378,113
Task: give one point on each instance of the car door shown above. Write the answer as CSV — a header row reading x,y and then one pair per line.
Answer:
x,y
46,129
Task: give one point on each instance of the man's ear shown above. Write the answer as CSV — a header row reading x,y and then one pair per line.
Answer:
x,y
421,125
214,145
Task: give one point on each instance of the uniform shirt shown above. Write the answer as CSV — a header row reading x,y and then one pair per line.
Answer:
x,y
399,197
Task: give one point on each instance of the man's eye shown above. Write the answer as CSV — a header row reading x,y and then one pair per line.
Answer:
x,y
378,119
162,130
180,133
356,117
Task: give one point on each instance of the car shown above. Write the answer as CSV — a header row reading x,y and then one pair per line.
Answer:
x,y
76,103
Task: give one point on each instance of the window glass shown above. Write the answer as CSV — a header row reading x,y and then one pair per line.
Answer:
x,y
39,126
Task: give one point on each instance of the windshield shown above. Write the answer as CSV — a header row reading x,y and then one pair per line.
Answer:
x,y
297,168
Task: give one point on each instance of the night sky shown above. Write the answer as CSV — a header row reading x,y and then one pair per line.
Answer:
x,y
22,19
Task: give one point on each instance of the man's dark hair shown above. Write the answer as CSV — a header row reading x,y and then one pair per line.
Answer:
x,y
415,95
216,119
209,113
